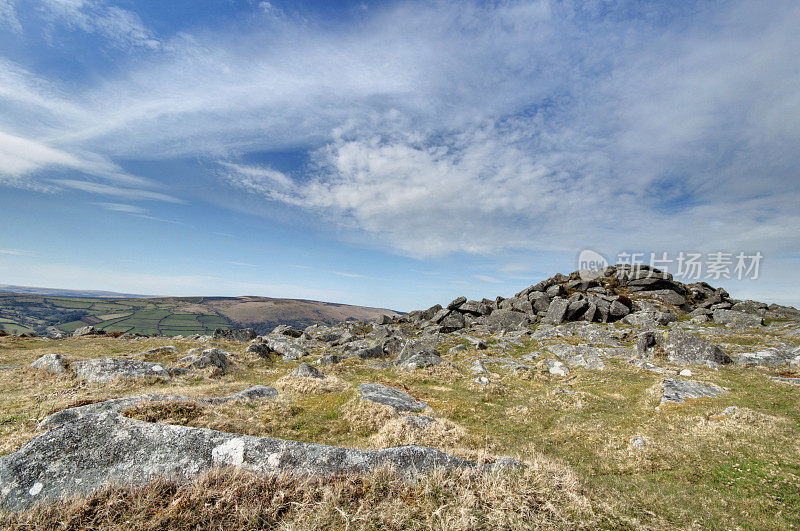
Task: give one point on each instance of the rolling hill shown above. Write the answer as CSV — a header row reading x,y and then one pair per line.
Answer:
x,y
34,313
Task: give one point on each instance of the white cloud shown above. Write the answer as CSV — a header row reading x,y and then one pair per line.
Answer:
x,y
8,16
520,125
15,252
489,279
123,28
122,207
116,191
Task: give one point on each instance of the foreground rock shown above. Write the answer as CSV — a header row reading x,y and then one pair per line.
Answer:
x,y
211,357
677,390
91,452
390,396
52,363
306,370
680,347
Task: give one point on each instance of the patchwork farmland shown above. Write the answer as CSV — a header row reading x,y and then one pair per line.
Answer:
x,y
169,316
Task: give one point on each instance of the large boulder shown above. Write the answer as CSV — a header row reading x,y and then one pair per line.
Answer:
x,y
390,396
211,357
505,320
286,348
286,330
452,322
556,312
678,391
235,334
417,354
52,363
736,319
103,370
683,347
87,331
306,370
767,356
93,452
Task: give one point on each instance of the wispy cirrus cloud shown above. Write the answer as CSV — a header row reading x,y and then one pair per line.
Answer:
x,y
15,252
116,191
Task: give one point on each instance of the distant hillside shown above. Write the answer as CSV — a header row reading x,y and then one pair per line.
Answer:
x,y
56,292
25,313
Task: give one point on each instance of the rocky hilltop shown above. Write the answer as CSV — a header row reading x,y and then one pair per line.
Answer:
x,y
464,386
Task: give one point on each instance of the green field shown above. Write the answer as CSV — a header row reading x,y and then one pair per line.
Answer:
x,y
36,313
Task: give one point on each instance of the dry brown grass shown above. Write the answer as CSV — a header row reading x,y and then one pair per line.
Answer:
x,y
544,495
311,386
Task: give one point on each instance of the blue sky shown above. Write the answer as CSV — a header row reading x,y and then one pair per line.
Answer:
x,y
392,154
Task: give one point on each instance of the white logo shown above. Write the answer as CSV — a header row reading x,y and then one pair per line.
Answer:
x,y
591,264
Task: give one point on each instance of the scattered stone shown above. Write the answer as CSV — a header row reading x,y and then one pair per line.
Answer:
x,y
650,367
87,331
306,370
383,320
286,330
681,347
456,349
159,350
556,367
795,381
638,443
235,334
104,370
259,349
676,390
482,380
52,363
286,348
685,372
390,396
419,421
736,319
212,357
730,410
767,356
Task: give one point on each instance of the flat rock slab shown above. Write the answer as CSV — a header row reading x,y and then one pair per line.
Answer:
x,y
677,390
115,406
103,370
768,356
390,396
90,453
795,381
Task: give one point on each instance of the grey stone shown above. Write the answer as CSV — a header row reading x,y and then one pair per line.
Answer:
x,y
482,380
556,367
419,361
737,319
89,453
751,307
578,355
52,363
235,334
650,367
677,390
419,421
638,443
104,370
768,356
212,357
618,310
540,301
682,347
390,396
87,331
259,349
556,312
285,330
505,320
456,304
383,320
457,348
452,322
306,370
169,349
286,348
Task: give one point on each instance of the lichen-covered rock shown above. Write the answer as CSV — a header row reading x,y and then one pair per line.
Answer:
x,y
677,390
736,319
556,312
390,396
87,331
212,357
681,347
103,370
556,367
89,453
235,334
286,348
306,370
767,356
52,363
